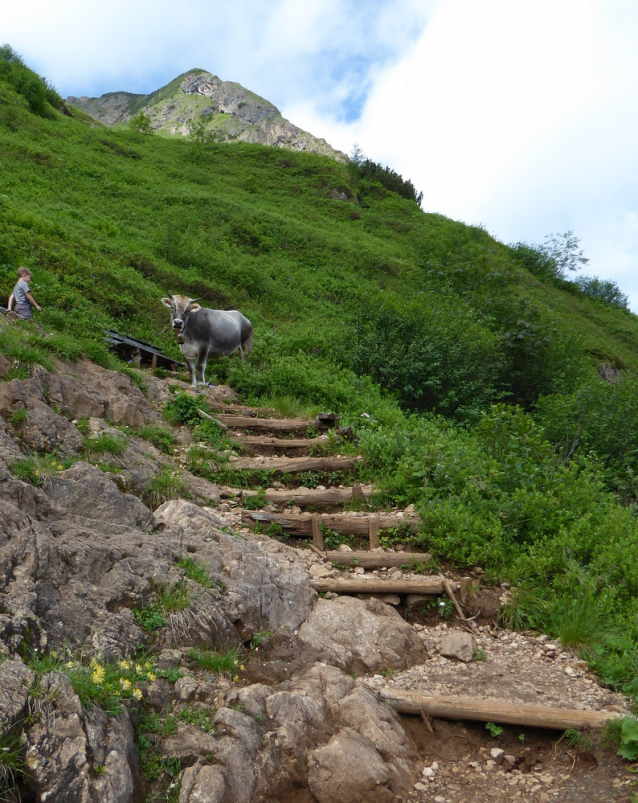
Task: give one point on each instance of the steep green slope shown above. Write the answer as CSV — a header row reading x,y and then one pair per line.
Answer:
x,y
354,291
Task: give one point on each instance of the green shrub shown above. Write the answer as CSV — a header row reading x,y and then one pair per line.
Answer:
x,y
18,418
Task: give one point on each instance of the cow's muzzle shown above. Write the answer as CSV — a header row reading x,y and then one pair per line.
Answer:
x,y
178,324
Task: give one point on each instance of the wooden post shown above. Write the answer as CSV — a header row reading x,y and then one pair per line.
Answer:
x,y
467,584
357,493
317,535
374,533
154,361
137,357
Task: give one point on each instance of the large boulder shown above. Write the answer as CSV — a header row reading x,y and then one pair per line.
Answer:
x,y
124,402
361,636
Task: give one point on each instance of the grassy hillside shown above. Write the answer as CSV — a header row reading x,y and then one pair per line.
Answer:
x,y
363,303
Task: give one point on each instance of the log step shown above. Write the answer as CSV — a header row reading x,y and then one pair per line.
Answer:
x,y
536,716
295,465
378,585
376,560
301,524
268,424
309,496
260,442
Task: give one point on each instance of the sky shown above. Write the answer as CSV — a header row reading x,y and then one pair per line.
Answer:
x,y
518,115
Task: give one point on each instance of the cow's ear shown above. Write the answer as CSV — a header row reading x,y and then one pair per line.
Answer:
x,y
167,302
194,307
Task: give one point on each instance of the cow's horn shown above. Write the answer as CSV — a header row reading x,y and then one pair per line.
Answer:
x,y
193,301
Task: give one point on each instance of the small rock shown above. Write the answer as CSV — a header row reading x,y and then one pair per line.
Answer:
x,y
420,787
497,753
344,548
511,760
319,570
428,772
459,645
186,689
475,764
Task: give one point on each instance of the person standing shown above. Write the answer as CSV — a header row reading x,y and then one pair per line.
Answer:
x,y
22,295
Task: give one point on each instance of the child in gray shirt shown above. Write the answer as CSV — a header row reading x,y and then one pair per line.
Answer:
x,y
22,295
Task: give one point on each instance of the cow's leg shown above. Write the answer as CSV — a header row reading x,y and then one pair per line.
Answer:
x,y
190,355
202,358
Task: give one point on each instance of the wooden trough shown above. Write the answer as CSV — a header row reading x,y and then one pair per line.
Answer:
x,y
142,353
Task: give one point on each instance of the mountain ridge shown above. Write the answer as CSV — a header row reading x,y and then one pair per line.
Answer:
x,y
198,103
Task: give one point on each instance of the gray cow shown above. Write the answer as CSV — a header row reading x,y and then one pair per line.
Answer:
x,y
203,333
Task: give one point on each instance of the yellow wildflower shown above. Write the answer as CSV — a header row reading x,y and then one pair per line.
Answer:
x,y
236,679
124,665
60,468
54,653
138,669
151,676
70,665
148,665
98,674
242,667
137,693
125,683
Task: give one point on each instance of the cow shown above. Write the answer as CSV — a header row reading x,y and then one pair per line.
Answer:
x,y
203,333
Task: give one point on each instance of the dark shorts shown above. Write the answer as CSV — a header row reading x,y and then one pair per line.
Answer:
x,y
24,310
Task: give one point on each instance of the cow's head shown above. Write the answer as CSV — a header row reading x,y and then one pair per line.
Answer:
x,y
180,307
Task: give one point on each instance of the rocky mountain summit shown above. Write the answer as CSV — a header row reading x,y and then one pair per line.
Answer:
x,y
201,104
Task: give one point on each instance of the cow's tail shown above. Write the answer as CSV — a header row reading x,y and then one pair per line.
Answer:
x,y
247,343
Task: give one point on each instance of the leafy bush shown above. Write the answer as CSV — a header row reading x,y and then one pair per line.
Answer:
x,y
40,96
603,290
432,357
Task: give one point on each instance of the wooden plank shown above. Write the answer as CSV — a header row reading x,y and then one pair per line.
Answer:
x,y
536,716
378,585
301,524
307,496
317,535
268,424
293,465
260,442
373,532
374,560
154,362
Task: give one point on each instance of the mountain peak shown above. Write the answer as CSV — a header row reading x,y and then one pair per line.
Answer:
x,y
198,102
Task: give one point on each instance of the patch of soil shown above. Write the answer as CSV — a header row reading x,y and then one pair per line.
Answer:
x,y
537,765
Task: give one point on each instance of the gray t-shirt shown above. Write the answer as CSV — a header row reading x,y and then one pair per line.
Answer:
x,y
20,292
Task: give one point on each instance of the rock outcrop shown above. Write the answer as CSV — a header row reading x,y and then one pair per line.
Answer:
x,y
82,558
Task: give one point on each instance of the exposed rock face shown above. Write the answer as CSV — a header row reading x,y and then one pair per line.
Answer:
x,y
80,555
220,110
324,730
67,743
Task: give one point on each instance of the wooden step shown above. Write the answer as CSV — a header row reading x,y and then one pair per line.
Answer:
x,y
508,712
378,585
279,444
241,409
307,496
301,524
295,465
376,560
267,424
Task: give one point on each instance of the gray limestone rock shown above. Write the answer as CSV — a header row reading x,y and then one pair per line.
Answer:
x,y
459,645
361,636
